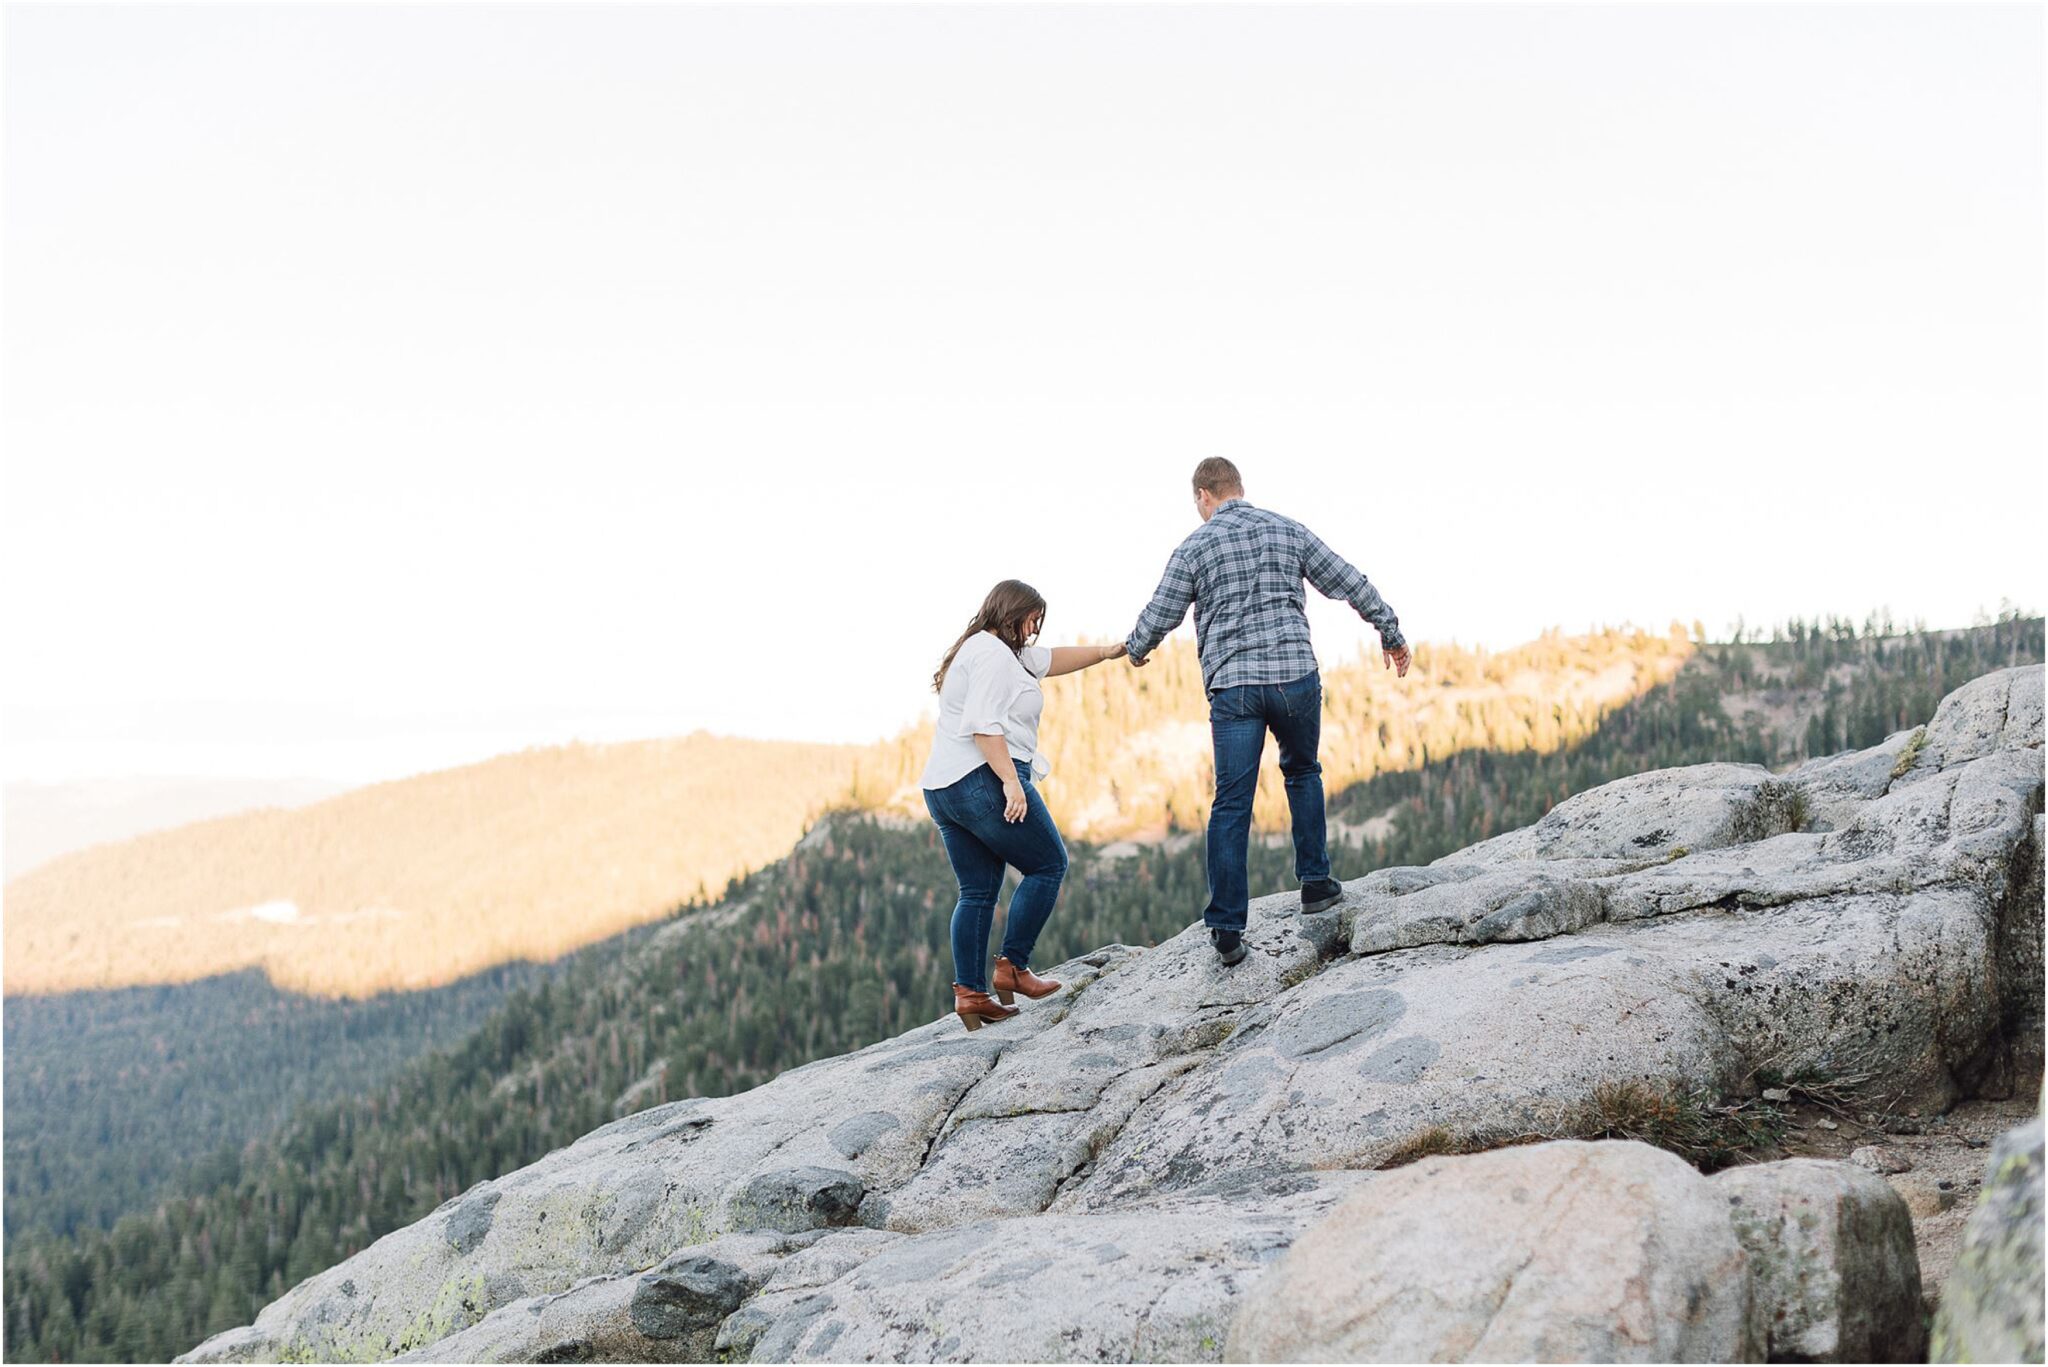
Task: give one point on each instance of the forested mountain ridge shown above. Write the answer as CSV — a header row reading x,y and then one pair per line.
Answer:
x,y
1805,689
44,820
113,1096
839,944
1129,748
419,882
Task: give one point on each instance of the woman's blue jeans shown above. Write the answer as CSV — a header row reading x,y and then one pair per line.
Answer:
x,y
980,843
1239,717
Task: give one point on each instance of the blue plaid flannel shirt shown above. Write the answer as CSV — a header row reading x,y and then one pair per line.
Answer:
x,y
1242,570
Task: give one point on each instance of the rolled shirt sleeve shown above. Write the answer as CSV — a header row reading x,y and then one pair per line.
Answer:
x,y
986,701
1036,660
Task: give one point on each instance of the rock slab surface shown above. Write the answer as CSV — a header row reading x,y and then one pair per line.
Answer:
x,y
1859,921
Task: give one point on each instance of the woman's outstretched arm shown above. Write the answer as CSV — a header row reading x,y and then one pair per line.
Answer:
x,y
1067,659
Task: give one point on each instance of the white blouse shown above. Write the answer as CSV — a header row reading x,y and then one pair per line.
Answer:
x,y
989,691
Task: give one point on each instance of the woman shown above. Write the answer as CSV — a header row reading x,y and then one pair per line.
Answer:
x,y
978,788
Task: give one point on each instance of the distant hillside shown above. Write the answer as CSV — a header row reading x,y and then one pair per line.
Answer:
x,y
44,820
415,883
418,882
112,1096
1803,689
1130,749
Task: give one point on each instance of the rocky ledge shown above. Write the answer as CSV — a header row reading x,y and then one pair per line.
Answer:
x,y
1169,1159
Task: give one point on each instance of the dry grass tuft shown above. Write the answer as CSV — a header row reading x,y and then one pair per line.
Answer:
x,y
1689,1121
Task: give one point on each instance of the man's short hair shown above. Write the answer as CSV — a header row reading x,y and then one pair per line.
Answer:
x,y
1218,476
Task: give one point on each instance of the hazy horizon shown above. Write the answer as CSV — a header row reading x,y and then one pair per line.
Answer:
x,y
456,744
392,386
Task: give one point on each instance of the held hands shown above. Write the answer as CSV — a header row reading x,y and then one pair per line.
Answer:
x,y
1014,805
1397,660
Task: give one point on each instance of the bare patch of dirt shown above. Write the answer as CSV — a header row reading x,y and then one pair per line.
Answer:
x,y
1945,1155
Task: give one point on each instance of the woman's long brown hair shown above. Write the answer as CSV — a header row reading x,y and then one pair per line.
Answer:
x,y
1007,608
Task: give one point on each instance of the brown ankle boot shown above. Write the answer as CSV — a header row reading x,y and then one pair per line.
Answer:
x,y
1012,979
975,1007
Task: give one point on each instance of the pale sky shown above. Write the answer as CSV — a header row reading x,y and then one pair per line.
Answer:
x,y
390,386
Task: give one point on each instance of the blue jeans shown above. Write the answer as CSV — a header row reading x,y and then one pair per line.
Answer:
x,y
1239,717
980,843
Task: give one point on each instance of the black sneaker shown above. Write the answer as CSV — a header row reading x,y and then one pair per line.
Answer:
x,y
1229,945
1321,895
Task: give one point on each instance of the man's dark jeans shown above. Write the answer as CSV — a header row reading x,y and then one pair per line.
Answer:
x,y
1239,718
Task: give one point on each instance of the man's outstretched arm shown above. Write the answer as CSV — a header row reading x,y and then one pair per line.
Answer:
x,y
1167,610
1335,577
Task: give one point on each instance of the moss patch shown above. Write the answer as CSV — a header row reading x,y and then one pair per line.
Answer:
x,y
459,1303
1910,755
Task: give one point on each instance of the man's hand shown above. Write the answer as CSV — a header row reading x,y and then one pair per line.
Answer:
x,y
1138,661
1397,660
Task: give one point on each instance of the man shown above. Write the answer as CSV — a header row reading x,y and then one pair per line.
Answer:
x,y
1242,569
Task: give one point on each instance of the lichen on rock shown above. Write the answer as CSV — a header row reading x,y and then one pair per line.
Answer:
x,y
1991,1309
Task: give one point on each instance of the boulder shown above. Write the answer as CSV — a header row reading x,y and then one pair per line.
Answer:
x,y
1924,1195
1561,1252
1991,1306
1832,1263
2000,712
1880,1160
1609,1252
1654,816
793,1199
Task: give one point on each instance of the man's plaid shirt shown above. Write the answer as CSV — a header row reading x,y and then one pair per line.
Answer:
x,y
1242,570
